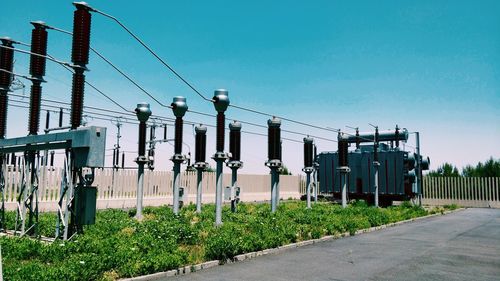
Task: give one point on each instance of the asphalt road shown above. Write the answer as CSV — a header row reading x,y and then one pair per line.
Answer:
x,y
461,246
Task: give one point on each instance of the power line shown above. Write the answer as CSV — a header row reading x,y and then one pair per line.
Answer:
x,y
191,86
66,65
110,118
193,111
153,53
38,55
115,67
185,81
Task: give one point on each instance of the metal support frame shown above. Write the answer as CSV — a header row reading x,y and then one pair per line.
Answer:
x,y
84,148
65,201
27,200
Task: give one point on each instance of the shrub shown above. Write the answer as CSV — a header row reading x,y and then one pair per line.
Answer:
x,y
118,246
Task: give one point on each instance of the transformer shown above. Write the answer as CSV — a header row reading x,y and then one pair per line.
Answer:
x,y
396,174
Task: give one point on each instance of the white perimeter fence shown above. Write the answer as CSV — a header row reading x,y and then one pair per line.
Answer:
x,y
463,191
117,189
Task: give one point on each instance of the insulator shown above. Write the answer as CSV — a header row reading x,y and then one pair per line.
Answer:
x,y
357,138
81,36
315,153
308,152
4,99
152,132
13,159
200,144
123,160
165,132
117,157
38,46
425,163
410,161
235,141
47,120
34,114
77,99
221,123
52,158
274,139
280,151
114,158
60,117
375,146
6,63
142,138
397,136
343,152
178,135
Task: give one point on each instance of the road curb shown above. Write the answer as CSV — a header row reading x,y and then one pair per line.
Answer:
x,y
242,257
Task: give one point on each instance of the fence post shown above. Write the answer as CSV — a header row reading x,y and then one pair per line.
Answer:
x,y
496,190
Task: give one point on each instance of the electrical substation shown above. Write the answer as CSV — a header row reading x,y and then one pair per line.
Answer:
x,y
377,169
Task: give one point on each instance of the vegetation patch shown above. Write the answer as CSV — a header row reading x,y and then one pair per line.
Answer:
x,y
118,246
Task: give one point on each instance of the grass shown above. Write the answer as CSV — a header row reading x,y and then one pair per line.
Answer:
x,y
118,246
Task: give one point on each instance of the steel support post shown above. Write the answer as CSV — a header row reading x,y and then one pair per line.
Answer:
x,y
308,189
218,191
177,176
344,171
277,189
2,190
315,179
199,187
418,169
234,185
375,181
140,187
344,191
274,188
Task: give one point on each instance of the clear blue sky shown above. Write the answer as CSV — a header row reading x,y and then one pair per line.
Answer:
x,y
429,66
